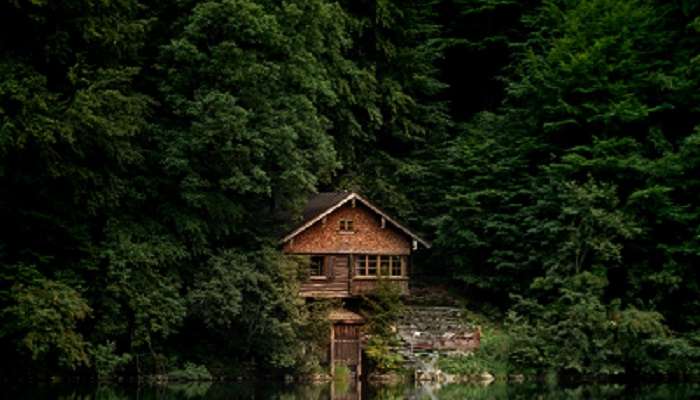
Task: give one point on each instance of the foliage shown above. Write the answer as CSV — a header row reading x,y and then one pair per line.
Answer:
x,y
249,79
148,156
43,318
107,363
313,337
560,202
577,335
397,112
151,154
380,352
255,293
492,356
382,309
190,372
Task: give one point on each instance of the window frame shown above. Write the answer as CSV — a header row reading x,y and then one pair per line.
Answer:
x,y
322,270
379,263
400,265
346,225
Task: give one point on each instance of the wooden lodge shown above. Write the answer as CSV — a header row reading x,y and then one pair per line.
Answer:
x,y
351,244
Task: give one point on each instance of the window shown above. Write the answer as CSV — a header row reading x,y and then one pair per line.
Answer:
x,y
379,265
396,269
361,268
371,265
384,265
316,266
346,225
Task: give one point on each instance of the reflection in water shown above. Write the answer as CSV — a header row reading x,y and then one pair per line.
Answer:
x,y
195,390
354,391
348,390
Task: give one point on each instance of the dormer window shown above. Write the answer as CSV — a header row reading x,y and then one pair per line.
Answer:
x,y
346,226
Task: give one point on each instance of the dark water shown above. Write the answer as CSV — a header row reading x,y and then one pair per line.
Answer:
x,y
354,392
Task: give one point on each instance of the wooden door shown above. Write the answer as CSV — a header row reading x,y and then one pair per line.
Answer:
x,y
346,346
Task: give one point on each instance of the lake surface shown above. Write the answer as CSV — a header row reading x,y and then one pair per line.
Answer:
x,y
276,391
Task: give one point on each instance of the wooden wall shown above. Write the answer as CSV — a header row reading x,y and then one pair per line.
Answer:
x,y
368,237
335,286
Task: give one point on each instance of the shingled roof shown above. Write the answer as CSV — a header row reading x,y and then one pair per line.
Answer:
x,y
322,204
345,316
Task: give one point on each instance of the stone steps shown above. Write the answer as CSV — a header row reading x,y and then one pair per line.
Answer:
x,y
424,330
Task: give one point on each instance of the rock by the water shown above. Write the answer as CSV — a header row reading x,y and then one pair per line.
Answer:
x,y
388,378
486,377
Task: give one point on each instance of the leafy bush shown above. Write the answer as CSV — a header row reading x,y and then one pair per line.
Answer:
x,y
383,307
313,328
45,314
254,293
382,310
381,354
190,372
676,356
106,361
491,357
578,334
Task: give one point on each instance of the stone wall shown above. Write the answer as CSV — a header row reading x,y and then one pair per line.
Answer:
x,y
428,333
438,329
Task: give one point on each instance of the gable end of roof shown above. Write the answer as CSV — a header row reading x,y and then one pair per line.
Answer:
x,y
325,203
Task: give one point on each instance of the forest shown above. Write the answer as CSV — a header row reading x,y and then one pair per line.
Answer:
x,y
152,152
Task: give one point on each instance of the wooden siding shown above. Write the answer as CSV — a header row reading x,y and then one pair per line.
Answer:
x,y
335,284
368,236
341,284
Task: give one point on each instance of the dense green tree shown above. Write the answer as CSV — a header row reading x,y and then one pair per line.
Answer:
x,y
481,40
254,294
43,318
597,104
132,164
151,153
398,44
248,78
242,138
69,122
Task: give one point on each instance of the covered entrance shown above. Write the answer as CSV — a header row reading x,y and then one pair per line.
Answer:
x,y
346,340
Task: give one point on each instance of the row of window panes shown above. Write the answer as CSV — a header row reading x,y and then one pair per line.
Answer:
x,y
377,265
